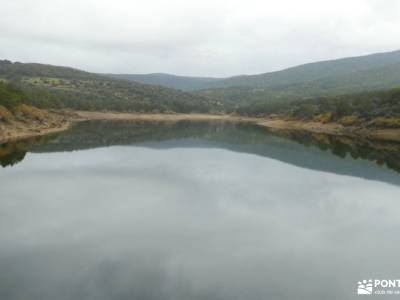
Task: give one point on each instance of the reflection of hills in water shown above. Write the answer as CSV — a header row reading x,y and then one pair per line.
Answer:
x,y
13,152
314,151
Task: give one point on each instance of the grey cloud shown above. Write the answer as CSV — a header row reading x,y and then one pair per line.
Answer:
x,y
213,38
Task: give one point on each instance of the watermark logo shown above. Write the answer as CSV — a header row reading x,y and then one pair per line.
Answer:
x,y
365,287
379,287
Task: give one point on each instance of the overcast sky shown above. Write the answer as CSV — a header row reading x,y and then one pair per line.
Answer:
x,y
187,37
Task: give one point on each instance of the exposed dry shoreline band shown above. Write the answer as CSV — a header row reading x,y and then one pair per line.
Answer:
x,y
62,121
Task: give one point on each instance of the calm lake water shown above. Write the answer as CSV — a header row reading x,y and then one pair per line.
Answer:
x,y
196,210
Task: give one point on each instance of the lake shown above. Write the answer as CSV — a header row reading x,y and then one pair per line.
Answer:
x,y
196,210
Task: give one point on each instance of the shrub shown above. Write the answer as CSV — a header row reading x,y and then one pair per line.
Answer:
x,y
393,122
325,117
10,95
32,112
348,120
5,114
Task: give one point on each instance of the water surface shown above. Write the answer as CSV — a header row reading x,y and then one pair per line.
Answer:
x,y
195,210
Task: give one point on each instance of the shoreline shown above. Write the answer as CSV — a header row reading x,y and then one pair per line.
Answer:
x,y
29,126
388,134
25,132
95,115
356,132
61,121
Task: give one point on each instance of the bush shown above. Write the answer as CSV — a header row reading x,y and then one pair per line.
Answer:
x,y
5,114
393,122
348,120
10,95
306,111
324,117
32,112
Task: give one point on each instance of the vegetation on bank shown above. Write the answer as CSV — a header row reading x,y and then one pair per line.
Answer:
x,y
377,109
10,95
10,98
59,87
26,86
13,105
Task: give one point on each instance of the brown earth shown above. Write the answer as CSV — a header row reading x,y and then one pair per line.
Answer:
x,y
24,127
94,115
388,134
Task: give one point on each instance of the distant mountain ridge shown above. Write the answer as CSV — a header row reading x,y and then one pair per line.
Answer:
x,y
331,77
315,70
302,73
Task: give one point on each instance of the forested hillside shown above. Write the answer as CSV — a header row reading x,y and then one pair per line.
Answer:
x,y
378,109
326,78
185,83
357,89
316,71
48,86
10,95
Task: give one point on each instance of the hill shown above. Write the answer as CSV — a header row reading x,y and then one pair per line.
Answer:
x,y
49,86
328,78
185,83
52,86
315,71
333,77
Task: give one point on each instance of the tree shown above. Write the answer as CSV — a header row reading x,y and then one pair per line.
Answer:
x,y
10,95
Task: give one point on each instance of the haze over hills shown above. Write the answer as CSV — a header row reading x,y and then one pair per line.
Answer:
x,y
333,77
62,87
